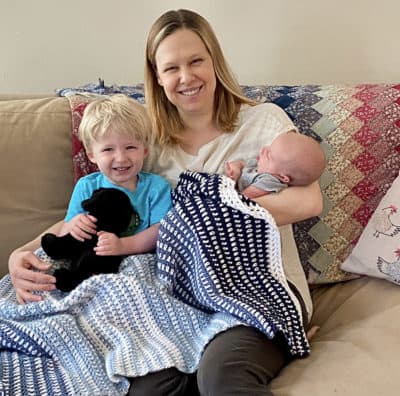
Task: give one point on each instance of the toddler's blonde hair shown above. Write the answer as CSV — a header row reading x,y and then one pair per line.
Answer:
x,y
119,113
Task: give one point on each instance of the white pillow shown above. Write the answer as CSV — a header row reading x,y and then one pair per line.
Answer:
x,y
377,252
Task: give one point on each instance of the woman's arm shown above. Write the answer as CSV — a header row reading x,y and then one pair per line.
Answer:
x,y
293,204
23,266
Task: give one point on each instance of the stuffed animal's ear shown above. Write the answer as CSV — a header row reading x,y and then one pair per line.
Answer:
x,y
87,204
107,203
112,209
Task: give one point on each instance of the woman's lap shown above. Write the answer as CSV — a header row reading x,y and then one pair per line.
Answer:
x,y
239,361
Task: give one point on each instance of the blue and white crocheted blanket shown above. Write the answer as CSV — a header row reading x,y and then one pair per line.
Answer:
x,y
221,252
219,266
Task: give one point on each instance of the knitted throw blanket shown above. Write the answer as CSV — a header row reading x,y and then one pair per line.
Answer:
x,y
220,252
110,327
219,266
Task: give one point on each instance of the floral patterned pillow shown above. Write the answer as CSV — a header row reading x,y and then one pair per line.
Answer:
x,y
377,252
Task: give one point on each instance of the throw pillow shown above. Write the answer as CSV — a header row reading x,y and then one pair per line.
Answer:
x,y
377,252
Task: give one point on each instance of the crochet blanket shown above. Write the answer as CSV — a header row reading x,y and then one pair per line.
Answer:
x,y
154,313
110,327
220,252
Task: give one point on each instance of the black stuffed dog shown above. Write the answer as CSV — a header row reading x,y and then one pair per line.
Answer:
x,y
114,213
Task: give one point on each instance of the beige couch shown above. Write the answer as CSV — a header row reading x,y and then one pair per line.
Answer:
x,y
357,350
35,150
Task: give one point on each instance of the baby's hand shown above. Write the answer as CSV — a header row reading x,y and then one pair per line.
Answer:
x,y
233,169
228,169
108,244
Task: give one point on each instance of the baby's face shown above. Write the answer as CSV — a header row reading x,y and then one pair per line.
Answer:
x,y
267,161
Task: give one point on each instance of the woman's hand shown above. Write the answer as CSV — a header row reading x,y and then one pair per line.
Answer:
x,y
21,266
81,227
293,204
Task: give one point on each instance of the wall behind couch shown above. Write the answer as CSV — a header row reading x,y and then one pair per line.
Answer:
x,y
47,44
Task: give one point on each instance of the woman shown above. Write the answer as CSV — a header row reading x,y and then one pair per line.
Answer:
x,y
201,119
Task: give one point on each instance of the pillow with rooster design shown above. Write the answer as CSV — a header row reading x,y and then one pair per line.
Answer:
x,y
377,252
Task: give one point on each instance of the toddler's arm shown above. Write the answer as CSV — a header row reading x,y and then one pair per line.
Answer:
x,y
143,242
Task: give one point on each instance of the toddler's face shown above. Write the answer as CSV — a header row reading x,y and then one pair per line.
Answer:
x,y
119,157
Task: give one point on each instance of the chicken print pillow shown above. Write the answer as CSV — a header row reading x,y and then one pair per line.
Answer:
x,y
377,252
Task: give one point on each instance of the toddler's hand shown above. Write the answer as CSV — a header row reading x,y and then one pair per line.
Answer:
x,y
81,227
108,244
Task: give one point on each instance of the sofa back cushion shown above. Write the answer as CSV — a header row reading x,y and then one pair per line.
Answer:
x,y
36,168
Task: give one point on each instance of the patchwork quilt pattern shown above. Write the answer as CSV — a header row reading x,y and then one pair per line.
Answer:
x,y
358,126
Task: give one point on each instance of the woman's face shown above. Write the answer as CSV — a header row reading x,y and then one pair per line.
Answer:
x,y
185,70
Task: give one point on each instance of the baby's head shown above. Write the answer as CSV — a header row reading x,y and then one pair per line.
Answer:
x,y
294,158
117,113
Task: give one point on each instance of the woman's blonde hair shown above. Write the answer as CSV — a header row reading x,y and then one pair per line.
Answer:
x,y
165,119
119,112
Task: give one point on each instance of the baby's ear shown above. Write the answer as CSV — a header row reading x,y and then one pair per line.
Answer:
x,y
284,178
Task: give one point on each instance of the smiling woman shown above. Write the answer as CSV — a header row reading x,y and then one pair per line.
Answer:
x,y
186,73
201,119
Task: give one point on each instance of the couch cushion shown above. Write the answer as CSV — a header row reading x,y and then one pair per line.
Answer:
x,y
356,351
36,163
